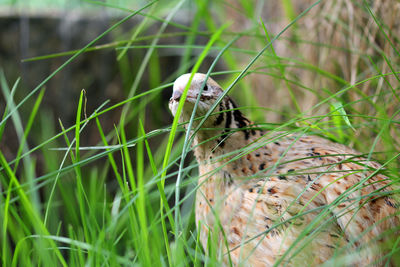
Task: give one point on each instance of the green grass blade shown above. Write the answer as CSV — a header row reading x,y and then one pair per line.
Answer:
x,y
29,209
82,199
9,98
281,68
29,126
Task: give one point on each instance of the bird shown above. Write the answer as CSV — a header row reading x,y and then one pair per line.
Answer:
x,y
270,197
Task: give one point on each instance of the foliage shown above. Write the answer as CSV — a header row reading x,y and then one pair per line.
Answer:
x,y
116,202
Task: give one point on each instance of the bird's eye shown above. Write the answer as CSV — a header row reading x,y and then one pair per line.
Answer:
x,y
206,87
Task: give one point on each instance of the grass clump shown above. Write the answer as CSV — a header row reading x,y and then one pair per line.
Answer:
x,y
324,67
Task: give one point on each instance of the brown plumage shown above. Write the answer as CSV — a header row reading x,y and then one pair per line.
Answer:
x,y
281,198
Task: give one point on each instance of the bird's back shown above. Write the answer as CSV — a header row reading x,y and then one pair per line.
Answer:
x,y
281,195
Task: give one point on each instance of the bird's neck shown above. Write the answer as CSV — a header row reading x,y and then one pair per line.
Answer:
x,y
222,133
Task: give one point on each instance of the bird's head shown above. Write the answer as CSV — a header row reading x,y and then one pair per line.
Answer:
x,y
208,96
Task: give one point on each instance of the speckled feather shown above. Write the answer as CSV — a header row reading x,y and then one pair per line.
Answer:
x,y
264,189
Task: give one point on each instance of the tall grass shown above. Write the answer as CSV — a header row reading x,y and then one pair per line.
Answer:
x,y
128,199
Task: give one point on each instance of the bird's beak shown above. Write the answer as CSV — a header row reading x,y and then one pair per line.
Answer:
x,y
176,95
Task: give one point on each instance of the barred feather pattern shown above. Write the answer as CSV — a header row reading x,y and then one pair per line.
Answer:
x,y
278,197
